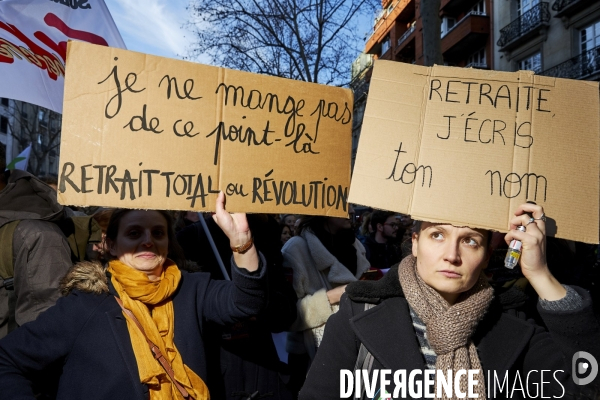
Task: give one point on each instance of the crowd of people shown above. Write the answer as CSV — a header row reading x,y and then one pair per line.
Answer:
x,y
100,303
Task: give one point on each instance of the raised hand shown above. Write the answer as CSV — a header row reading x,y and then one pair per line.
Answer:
x,y
236,228
533,257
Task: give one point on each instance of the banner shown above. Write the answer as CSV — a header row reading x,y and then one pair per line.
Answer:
x,y
467,147
33,44
141,131
21,161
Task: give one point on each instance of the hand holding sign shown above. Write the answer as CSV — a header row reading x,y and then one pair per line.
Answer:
x,y
467,146
147,132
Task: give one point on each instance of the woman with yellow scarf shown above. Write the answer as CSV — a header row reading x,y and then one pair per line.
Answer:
x,y
134,329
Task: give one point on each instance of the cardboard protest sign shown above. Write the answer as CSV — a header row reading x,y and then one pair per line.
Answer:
x,y
141,131
466,147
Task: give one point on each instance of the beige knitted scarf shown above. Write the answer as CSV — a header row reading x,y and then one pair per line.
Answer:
x,y
449,327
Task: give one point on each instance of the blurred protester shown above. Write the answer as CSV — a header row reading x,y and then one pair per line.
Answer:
x,y
99,251
242,357
50,181
34,252
382,250
296,230
290,220
285,232
185,218
324,257
365,229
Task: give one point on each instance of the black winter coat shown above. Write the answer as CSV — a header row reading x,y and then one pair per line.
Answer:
x,y
86,335
507,343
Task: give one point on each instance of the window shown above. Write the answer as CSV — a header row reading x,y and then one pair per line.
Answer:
x,y
385,45
447,24
590,37
3,125
477,59
532,63
4,102
590,48
478,8
526,5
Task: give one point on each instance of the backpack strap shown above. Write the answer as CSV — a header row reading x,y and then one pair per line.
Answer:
x,y
7,268
364,360
79,231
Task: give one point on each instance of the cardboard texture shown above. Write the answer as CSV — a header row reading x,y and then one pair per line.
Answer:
x,y
467,147
141,131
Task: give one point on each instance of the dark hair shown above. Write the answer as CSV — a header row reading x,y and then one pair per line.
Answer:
x,y
282,226
49,180
379,217
310,221
175,250
102,217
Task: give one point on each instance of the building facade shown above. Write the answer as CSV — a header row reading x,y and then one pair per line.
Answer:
x,y
465,33
559,38
22,124
397,35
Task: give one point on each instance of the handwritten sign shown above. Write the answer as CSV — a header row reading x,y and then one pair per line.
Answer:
x,y
467,146
148,132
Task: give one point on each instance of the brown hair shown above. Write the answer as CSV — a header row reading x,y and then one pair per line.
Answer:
x,y
102,217
175,250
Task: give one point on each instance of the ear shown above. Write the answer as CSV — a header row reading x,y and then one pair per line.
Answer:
x,y
415,243
112,248
380,227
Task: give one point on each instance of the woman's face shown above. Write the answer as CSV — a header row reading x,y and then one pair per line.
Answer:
x,y
286,234
290,220
450,258
142,241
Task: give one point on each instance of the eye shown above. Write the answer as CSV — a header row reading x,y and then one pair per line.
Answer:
x,y
472,242
133,233
158,233
437,236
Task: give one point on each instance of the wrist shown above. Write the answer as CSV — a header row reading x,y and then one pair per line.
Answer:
x,y
547,287
243,247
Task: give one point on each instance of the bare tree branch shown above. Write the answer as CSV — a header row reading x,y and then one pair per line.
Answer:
x,y
310,40
27,128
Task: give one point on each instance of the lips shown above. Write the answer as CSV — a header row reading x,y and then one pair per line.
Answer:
x,y
147,255
450,274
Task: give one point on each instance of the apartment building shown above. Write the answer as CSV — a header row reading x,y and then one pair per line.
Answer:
x,y
22,124
559,38
397,35
465,33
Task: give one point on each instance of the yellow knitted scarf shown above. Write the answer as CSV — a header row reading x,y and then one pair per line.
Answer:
x,y
151,303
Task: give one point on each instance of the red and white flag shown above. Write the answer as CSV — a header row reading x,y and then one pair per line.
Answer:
x,y
33,44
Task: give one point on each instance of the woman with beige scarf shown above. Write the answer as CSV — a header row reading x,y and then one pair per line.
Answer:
x,y
436,313
134,330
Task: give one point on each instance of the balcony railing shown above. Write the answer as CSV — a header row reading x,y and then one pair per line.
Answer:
x,y
560,5
480,65
537,16
405,35
360,87
361,63
580,67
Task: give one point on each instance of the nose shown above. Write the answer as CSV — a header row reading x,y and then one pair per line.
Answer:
x,y
452,252
147,239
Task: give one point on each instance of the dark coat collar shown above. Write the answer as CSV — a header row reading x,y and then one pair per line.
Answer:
x,y
376,291
388,334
